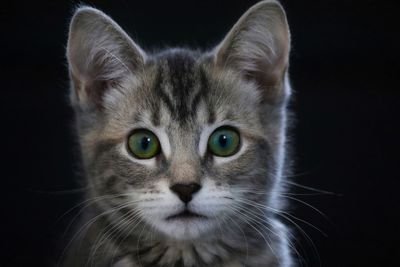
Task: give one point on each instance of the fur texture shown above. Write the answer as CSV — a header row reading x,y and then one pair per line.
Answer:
x,y
182,96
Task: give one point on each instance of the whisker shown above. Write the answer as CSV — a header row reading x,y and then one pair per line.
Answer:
x,y
243,234
89,223
282,214
310,206
268,221
138,244
109,230
282,192
135,222
312,189
235,208
88,202
262,192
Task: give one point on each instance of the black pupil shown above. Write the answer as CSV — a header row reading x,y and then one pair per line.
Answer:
x,y
145,142
223,140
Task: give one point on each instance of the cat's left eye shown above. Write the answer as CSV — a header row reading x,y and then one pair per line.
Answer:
x,y
224,142
143,144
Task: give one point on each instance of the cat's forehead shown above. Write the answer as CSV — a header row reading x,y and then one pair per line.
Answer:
x,y
180,83
181,92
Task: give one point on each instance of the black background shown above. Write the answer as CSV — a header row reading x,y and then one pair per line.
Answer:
x,y
344,69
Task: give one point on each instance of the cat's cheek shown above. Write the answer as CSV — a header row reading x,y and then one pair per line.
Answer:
x,y
251,164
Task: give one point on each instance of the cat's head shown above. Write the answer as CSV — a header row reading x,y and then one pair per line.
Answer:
x,y
181,141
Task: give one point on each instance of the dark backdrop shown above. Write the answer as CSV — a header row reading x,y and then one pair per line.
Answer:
x,y
344,69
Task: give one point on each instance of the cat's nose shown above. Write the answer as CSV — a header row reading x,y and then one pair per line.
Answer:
x,y
185,191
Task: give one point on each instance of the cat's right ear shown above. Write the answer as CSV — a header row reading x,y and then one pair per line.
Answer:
x,y
257,48
100,55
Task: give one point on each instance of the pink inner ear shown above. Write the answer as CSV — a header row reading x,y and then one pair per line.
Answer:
x,y
91,91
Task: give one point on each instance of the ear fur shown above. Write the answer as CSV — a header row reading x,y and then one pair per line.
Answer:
x,y
257,47
99,55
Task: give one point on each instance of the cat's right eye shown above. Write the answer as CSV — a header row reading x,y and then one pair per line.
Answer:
x,y
224,142
143,144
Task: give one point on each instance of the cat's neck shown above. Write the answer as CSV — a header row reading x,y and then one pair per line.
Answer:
x,y
215,250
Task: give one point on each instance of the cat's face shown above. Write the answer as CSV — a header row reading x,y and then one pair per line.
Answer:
x,y
178,119
179,141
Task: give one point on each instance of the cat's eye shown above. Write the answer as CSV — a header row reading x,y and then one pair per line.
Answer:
x,y
224,142
143,144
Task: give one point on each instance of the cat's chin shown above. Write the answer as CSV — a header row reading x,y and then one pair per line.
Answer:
x,y
184,226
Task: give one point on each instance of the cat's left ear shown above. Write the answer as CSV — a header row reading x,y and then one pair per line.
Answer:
x,y
100,55
257,47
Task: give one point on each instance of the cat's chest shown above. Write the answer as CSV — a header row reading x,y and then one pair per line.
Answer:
x,y
184,254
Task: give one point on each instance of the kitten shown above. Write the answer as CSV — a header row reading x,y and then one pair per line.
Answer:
x,y
183,151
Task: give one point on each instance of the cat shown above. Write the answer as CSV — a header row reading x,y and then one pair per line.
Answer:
x,y
183,151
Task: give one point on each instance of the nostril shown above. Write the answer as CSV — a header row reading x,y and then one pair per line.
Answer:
x,y
194,187
185,191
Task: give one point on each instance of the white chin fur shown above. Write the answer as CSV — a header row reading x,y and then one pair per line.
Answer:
x,y
184,229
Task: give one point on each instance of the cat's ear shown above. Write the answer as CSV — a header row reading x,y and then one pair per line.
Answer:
x,y
100,55
257,47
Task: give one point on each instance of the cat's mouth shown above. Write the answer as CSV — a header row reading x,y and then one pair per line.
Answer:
x,y
186,215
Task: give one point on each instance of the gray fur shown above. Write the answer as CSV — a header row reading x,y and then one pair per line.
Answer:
x,y
181,95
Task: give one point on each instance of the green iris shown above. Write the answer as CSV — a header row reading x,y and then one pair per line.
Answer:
x,y
224,142
143,144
